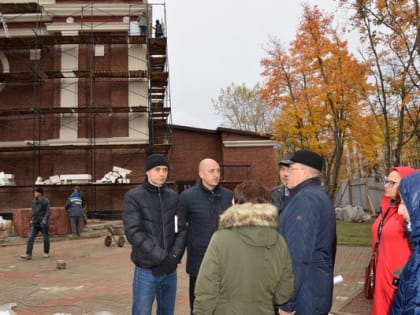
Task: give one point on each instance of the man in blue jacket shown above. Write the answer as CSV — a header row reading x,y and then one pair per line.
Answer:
x,y
307,222
75,209
201,206
157,237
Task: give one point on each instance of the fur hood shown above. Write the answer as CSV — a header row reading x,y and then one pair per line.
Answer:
x,y
249,215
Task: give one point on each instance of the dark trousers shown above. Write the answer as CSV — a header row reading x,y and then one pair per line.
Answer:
x,y
192,295
75,226
33,232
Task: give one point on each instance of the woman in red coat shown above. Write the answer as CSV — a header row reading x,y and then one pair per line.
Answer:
x,y
394,249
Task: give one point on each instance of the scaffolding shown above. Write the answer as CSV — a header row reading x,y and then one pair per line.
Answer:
x,y
81,89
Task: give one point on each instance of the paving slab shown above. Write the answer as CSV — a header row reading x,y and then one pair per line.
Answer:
x,y
99,278
350,264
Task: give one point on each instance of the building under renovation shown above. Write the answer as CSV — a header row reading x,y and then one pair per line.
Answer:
x,y
84,99
82,91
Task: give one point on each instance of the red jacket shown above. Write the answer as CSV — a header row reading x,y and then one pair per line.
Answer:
x,y
393,251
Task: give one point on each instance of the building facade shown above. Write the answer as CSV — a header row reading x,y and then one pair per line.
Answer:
x,y
82,91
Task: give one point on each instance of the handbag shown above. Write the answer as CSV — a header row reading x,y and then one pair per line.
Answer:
x,y
370,270
370,276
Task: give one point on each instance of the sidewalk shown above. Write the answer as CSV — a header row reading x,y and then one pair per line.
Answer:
x,y
98,278
350,263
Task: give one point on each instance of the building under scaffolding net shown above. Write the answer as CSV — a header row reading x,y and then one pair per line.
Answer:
x,y
82,90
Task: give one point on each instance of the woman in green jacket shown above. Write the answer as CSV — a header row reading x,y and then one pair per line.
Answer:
x,y
247,266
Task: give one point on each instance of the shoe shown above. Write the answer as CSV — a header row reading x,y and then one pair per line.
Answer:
x,y
46,255
26,257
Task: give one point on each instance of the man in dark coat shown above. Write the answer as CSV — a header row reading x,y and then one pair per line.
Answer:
x,y
280,193
307,222
157,236
201,206
39,223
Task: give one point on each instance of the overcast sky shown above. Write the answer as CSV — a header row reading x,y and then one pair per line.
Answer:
x,y
212,44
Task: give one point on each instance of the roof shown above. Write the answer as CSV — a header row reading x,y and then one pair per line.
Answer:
x,y
224,130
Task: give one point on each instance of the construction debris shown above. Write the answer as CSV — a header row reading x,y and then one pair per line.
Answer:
x,y
118,175
66,179
351,213
6,228
7,179
6,309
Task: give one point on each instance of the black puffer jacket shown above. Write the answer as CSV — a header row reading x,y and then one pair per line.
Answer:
x,y
201,208
148,217
40,210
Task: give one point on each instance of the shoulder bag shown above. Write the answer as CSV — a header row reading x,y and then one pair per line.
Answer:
x,y
370,271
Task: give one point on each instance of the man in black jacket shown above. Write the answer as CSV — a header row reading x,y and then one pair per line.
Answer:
x,y
280,192
39,223
157,236
201,206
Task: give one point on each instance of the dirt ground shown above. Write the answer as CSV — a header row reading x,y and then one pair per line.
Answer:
x,y
359,305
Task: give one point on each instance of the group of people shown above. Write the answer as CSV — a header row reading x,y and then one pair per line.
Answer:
x,y
248,251
40,214
251,251
395,235
142,21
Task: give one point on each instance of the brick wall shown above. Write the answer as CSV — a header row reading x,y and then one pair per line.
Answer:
x,y
58,223
189,147
261,160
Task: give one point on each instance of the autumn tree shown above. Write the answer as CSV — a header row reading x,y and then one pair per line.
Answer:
x,y
242,108
318,88
390,34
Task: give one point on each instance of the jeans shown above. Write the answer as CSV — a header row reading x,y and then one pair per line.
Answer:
x,y
33,232
146,286
143,30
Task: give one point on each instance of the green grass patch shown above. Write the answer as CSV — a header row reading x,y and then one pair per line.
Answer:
x,y
353,234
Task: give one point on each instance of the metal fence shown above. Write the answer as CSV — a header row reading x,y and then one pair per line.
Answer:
x,y
364,192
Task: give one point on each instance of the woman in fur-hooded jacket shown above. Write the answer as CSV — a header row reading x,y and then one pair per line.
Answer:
x,y
247,266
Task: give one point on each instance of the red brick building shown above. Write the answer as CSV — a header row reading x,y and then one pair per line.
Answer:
x,y
242,155
82,92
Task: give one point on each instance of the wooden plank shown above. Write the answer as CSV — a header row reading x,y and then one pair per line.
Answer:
x,y
372,210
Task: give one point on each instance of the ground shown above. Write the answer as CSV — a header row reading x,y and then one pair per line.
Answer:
x,y
359,305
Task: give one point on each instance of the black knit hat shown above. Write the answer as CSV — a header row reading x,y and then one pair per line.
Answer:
x,y
155,160
306,157
39,190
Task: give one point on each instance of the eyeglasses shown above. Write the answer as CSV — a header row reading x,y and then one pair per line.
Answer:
x,y
391,183
294,169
